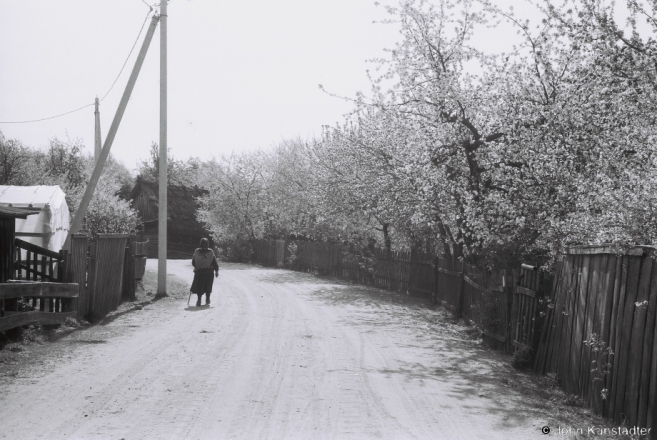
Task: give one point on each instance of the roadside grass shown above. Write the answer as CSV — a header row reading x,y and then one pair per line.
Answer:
x,y
175,288
17,344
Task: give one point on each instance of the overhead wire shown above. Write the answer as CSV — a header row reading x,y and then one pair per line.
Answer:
x,y
50,117
108,91
131,50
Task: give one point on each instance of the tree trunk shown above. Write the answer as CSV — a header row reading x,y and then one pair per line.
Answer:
x,y
443,237
386,237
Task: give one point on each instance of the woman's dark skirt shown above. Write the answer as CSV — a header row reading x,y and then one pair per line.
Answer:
x,y
203,280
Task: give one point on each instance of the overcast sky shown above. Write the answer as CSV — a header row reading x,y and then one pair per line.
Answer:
x,y
243,74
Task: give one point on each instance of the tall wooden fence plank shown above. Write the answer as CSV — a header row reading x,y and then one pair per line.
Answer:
x,y
589,312
76,272
625,269
636,342
648,347
626,333
107,274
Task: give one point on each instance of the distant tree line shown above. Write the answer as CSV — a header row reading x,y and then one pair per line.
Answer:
x,y
64,164
492,158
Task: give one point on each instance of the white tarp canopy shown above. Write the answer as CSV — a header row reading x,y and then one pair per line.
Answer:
x,y
48,229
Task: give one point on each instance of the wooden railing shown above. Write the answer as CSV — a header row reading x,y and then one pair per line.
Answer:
x,y
25,302
86,282
36,263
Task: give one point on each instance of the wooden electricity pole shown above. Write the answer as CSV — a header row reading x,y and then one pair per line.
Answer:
x,y
97,144
102,158
162,199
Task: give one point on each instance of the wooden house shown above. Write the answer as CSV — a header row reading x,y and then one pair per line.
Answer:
x,y
184,232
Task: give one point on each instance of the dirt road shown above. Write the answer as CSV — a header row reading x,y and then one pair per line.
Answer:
x,y
278,355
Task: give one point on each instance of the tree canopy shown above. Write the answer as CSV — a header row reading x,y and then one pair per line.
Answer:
x,y
490,157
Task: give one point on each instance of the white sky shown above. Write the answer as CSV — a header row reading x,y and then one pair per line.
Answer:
x,y
242,74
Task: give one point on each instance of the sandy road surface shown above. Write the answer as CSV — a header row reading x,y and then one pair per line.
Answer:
x,y
278,355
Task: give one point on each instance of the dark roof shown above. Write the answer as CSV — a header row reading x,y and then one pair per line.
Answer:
x,y
11,212
181,204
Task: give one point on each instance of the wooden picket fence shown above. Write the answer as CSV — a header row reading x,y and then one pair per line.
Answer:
x,y
600,332
502,305
106,270
87,281
34,292
105,274
594,325
36,263
47,303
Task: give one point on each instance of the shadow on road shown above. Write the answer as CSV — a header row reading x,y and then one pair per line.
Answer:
x,y
481,379
196,308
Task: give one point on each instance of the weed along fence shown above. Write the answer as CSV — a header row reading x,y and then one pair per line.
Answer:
x,y
599,336
503,306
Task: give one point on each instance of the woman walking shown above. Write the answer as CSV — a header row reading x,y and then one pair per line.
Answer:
x,y
204,263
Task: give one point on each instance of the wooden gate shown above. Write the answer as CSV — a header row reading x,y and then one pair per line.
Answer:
x,y
106,273
523,309
37,263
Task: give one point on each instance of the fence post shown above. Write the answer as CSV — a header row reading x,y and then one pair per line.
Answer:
x,y
510,282
434,291
459,301
62,277
129,270
62,266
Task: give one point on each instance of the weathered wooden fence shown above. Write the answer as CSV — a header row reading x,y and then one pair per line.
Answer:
x,y
31,302
530,290
37,263
87,282
140,253
105,274
600,332
503,306
594,326
76,272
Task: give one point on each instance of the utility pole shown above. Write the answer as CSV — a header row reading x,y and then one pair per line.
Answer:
x,y
98,144
162,199
98,169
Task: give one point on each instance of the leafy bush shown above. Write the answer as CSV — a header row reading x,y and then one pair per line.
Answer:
x,y
522,358
109,214
238,251
292,261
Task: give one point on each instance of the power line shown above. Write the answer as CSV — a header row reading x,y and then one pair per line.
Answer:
x,y
45,119
132,49
111,87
